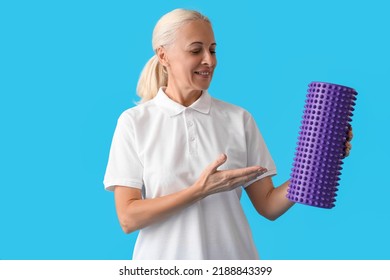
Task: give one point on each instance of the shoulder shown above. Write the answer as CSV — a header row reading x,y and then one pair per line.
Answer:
x,y
138,113
230,109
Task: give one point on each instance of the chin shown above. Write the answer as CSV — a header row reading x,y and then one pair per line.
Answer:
x,y
204,86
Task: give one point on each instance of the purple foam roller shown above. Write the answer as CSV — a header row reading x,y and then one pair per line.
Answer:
x,y
321,144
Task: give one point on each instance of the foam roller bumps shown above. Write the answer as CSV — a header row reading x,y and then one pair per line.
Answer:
x,y
321,144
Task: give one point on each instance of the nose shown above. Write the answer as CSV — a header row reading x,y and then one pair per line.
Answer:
x,y
209,59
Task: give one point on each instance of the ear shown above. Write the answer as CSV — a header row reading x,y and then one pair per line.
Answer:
x,y
162,56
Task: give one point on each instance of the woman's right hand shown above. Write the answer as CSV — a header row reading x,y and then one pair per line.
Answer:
x,y
135,213
214,181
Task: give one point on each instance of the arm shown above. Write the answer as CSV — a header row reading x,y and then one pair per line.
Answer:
x,y
272,202
135,213
269,201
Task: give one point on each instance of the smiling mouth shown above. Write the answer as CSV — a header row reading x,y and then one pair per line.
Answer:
x,y
203,73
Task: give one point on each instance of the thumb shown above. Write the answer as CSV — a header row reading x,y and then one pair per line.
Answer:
x,y
217,163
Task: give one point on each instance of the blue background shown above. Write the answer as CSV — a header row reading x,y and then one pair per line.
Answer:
x,y
69,68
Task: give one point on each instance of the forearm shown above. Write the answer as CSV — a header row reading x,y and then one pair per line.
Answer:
x,y
277,201
139,213
269,201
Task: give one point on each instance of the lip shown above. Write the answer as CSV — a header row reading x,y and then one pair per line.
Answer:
x,y
204,72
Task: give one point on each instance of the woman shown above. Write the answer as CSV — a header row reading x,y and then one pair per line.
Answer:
x,y
178,160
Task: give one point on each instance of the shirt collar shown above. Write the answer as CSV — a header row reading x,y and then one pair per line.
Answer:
x,y
173,108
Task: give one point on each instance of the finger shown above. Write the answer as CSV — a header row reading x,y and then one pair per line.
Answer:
x,y
348,147
349,133
242,180
217,163
247,171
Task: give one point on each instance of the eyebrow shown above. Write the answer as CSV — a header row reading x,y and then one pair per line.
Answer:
x,y
194,43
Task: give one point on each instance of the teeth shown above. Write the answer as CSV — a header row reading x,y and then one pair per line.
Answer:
x,y
203,73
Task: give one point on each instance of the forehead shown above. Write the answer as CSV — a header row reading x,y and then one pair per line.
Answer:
x,y
195,31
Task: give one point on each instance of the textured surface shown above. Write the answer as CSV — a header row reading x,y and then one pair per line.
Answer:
x,y
320,148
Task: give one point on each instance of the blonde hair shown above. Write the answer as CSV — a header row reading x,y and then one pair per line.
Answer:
x,y
154,76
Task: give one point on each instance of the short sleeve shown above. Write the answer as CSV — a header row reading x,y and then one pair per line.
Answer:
x,y
257,151
124,167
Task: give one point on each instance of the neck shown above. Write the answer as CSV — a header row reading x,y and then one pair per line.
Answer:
x,y
183,97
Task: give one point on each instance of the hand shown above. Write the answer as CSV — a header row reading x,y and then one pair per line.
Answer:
x,y
348,145
213,181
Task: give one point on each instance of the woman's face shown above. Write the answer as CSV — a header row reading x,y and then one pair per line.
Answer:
x,y
191,60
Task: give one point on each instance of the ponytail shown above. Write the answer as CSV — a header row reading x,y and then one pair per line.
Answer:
x,y
152,77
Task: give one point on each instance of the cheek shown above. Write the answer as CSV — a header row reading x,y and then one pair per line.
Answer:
x,y
184,66
186,69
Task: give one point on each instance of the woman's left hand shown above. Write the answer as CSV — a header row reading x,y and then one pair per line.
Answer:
x,y
348,145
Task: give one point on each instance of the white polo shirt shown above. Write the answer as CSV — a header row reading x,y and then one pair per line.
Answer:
x,y
162,147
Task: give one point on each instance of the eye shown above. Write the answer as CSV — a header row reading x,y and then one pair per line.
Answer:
x,y
196,51
213,52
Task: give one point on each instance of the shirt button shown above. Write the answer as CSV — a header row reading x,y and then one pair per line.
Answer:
x,y
192,139
190,123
